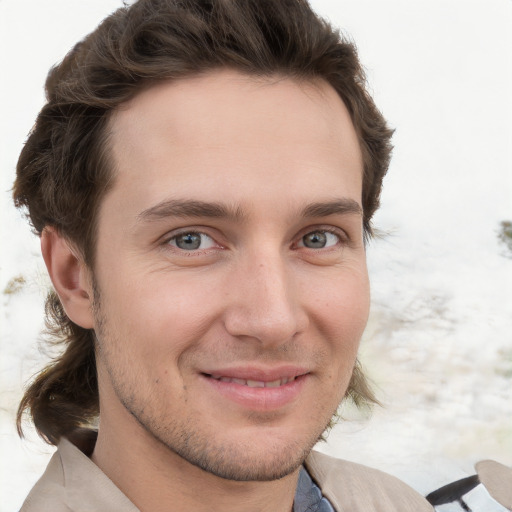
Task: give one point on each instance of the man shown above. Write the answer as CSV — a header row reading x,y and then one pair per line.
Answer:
x,y
203,178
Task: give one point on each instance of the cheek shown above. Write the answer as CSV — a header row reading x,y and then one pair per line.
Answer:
x,y
342,314
343,304
160,312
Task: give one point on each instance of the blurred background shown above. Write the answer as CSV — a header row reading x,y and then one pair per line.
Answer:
x,y
438,346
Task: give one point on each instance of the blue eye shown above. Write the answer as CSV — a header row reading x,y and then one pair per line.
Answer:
x,y
319,240
192,241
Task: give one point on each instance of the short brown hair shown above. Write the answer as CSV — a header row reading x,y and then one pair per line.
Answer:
x,y
64,170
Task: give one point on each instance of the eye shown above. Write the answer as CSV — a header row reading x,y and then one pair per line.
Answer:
x,y
192,241
319,240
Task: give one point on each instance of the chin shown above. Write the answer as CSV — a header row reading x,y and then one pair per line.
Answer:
x,y
258,455
234,463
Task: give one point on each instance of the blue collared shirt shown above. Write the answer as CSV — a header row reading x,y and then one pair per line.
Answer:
x,y
308,496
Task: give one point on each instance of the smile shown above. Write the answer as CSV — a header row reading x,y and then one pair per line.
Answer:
x,y
258,389
255,383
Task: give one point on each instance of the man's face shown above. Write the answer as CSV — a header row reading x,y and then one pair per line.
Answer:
x,y
230,270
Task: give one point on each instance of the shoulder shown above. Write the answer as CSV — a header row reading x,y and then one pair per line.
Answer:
x,y
354,487
73,482
47,493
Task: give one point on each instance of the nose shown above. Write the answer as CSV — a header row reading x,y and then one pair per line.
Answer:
x,y
264,302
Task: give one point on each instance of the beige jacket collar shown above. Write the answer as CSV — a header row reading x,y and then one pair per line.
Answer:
x,y
72,482
352,487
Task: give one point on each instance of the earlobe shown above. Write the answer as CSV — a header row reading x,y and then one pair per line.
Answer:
x,y
70,277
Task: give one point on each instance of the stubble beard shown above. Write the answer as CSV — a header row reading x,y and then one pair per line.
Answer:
x,y
225,460
184,437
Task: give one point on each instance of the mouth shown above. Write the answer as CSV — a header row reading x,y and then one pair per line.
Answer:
x,y
257,389
255,383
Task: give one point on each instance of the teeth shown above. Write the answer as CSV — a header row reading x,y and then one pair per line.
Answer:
x,y
256,383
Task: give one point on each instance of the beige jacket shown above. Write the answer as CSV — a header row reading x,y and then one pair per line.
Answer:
x,y
73,483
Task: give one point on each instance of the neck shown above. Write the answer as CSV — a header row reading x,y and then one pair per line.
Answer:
x,y
156,479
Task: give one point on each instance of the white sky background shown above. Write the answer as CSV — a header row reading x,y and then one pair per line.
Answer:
x,y
441,72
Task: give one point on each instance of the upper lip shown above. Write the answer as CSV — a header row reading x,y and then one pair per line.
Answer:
x,y
258,373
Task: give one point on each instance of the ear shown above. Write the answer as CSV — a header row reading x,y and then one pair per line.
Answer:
x,y
70,277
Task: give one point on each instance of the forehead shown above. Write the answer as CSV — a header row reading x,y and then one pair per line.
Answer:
x,y
236,130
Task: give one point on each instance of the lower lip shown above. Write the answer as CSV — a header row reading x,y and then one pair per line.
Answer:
x,y
259,399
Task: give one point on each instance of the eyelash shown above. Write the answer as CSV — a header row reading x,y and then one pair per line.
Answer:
x,y
184,233
339,234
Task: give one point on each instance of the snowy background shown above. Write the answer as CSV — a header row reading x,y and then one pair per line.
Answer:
x,y
439,342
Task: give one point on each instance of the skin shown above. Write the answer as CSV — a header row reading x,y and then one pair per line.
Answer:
x,y
278,286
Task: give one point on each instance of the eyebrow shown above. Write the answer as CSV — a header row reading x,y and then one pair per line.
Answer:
x,y
193,208
343,206
190,208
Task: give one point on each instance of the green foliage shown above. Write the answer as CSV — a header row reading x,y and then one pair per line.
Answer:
x,y
505,367
505,235
14,285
